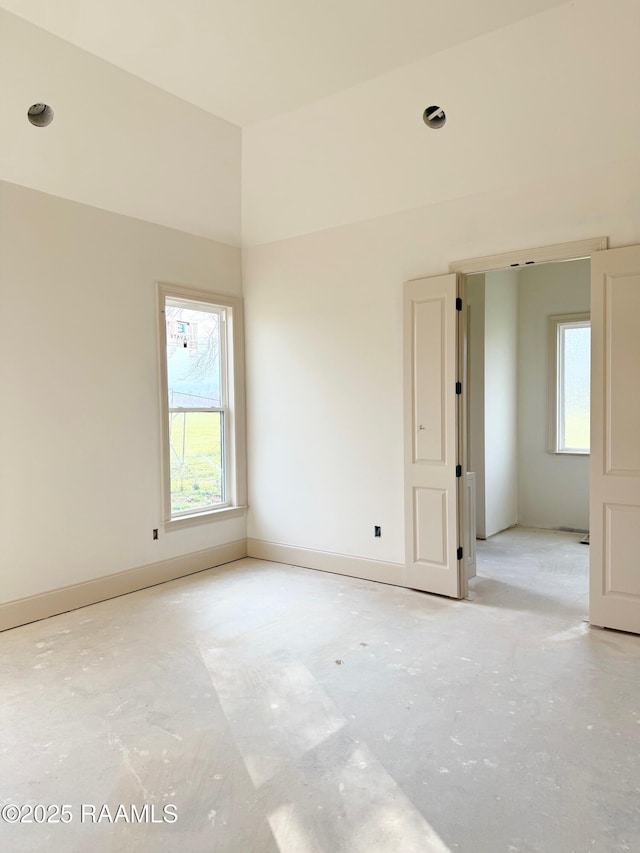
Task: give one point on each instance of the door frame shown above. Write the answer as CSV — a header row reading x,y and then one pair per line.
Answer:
x,y
577,250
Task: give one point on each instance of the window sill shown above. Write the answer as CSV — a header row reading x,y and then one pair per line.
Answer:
x,y
223,514
569,452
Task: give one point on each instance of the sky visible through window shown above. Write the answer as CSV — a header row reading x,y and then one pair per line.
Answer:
x,y
193,358
194,382
576,385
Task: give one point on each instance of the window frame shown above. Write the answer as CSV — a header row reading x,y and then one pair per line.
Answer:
x,y
557,323
232,405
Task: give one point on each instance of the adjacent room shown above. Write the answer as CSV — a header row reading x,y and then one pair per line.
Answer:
x,y
236,605
528,430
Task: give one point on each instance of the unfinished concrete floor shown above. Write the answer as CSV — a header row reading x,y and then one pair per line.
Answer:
x,y
282,709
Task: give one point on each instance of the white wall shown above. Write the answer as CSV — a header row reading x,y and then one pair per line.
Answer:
x,y
521,105
474,296
324,381
324,349
80,426
492,301
250,60
501,401
116,142
388,200
553,490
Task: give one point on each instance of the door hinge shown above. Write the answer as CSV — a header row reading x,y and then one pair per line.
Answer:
x,y
459,553
458,304
458,387
458,470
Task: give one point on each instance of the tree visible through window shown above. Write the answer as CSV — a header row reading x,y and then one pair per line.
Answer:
x,y
198,375
197,406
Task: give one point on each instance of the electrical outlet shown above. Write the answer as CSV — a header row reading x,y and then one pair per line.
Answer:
x,y
377,531
155,532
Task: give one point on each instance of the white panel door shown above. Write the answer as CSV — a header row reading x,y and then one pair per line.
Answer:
x,y
615,439
431,439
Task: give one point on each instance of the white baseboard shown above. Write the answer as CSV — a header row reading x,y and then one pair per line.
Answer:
x,y
57,601
326,561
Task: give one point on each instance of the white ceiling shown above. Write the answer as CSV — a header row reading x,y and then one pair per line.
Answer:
x,y
247,60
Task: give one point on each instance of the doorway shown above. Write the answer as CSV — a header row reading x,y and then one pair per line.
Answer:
x,y
536,571
435,445
527,428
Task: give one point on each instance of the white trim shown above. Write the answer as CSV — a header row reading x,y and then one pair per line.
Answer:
x,y
525,257
179,522
234,437
327,561
546,254
179,410
61,600
555,321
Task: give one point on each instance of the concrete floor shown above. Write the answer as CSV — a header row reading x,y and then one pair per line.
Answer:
x,y
282,709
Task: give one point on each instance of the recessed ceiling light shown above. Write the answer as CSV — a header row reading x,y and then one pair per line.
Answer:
x,y
434,117
40,115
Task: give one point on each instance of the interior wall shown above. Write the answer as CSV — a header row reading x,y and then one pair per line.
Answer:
x,y
474,296
116,142
80,430
501,400
346,199
386,199
492,305
553,489
366,153
324,349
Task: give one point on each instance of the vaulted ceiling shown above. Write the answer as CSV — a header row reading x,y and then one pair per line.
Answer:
x,y
247,60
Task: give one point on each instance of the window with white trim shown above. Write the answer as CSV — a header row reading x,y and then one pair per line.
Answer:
x,y
200,343
570,383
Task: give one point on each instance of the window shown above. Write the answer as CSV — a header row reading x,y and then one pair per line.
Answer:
x,y
202,395
570,383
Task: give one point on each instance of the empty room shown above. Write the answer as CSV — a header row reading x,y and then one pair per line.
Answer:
x,y
528,433
263,436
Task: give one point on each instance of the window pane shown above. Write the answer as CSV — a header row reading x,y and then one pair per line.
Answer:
x,y
194,375
576,384
196,449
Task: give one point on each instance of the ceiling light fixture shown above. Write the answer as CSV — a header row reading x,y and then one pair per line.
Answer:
x,y
434,117
40,115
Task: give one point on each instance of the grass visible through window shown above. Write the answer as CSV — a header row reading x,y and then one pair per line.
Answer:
x,y
196,460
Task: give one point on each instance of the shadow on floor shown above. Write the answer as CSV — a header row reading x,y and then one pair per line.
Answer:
x,y
533,570
490,592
